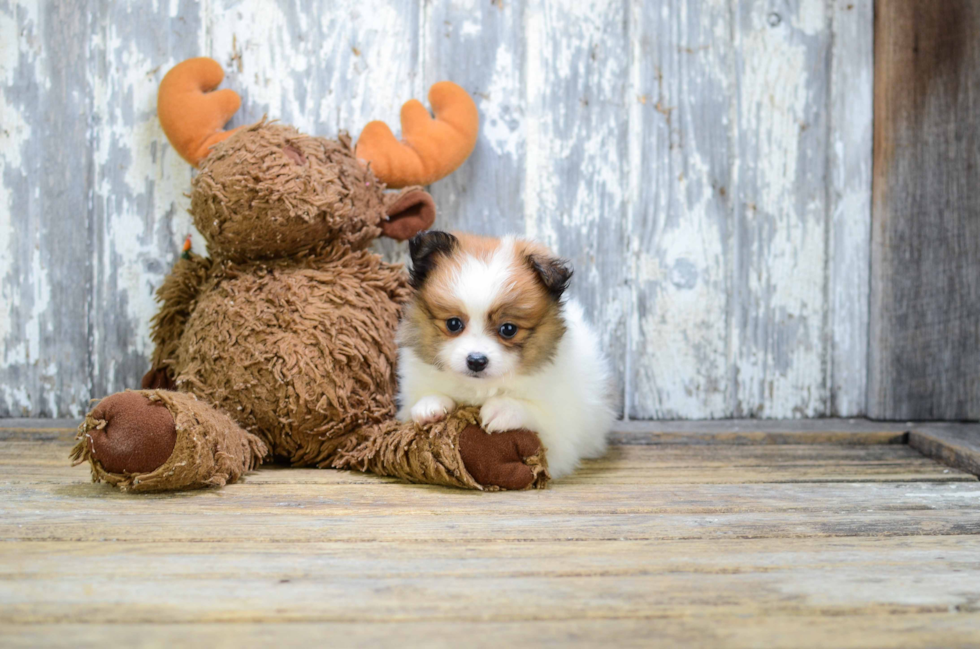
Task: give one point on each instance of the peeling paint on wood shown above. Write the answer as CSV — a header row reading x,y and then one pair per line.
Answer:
x,y
779,194
480,45
575,194
705,165
680,166
138,208
45,192
849,183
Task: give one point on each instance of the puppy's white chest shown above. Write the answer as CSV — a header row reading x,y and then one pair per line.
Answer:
x,y
473,394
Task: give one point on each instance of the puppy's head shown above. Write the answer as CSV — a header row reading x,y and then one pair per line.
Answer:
x,y
484,308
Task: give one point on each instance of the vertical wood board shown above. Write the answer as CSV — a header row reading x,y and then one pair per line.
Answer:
x,y
575,178
480,46
46,283
849,194
680,176
924,360
779,255
139,207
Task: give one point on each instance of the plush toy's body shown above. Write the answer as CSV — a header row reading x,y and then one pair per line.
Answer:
x,y
305,352
281,343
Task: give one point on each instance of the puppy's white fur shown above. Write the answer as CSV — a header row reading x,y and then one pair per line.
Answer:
x,y
568,400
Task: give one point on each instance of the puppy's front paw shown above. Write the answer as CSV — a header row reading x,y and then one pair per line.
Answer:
x,y
432,408
500,414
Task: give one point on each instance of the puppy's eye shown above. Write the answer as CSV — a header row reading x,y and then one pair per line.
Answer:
x,y
455,325
507,330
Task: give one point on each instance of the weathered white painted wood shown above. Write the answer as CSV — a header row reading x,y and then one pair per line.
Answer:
x,y
680,166
575,193
703,163
752,286
480,45
139,206
779,256
849,186
45,183
322,67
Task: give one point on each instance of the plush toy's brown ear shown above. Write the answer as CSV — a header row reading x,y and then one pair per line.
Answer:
x,y
409,212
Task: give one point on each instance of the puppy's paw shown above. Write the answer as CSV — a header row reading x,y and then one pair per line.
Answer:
x,y
501,413
432,408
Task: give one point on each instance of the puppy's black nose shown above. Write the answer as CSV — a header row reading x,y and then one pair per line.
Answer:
x,y
476,362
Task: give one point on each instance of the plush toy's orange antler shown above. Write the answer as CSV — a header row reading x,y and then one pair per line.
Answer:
x,y
430,148
192,115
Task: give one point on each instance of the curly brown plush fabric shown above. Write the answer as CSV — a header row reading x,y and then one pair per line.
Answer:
x,y
271,191
177,296
282,343
300,350
431,454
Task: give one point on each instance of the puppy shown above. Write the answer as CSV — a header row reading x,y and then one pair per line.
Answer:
x,y
489,326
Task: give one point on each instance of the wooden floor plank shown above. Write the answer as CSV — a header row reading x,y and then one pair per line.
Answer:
x,y
951,630
225,527
29,461
681,514
316,500
760,431
752,543
722,431
184,583
956,445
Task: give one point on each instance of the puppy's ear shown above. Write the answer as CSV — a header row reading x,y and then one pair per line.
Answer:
x,y
425,248
554,273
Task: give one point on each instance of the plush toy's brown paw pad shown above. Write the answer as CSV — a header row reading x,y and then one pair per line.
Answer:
x,y
509,460
138,435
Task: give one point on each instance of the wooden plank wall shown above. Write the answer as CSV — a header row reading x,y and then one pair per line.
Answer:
x,y
705,164
925,363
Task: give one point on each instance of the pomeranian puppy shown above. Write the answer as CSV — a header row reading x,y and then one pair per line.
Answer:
x,y
490,326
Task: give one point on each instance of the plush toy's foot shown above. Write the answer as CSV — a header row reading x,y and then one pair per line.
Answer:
x,y
156,440
454,452
511,460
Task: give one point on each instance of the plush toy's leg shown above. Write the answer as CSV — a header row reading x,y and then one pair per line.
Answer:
x,y
176,295
156,440
454,452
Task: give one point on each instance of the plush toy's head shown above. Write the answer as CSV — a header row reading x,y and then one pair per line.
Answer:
x,y
268,190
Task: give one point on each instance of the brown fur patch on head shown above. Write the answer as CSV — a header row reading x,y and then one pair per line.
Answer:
x,y
474,245
424,322
533,305
426,250
420,333
437,258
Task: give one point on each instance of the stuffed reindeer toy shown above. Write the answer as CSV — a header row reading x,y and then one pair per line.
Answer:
x,y
281,343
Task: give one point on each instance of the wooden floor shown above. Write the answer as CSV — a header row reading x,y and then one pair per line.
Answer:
x,y
834,534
